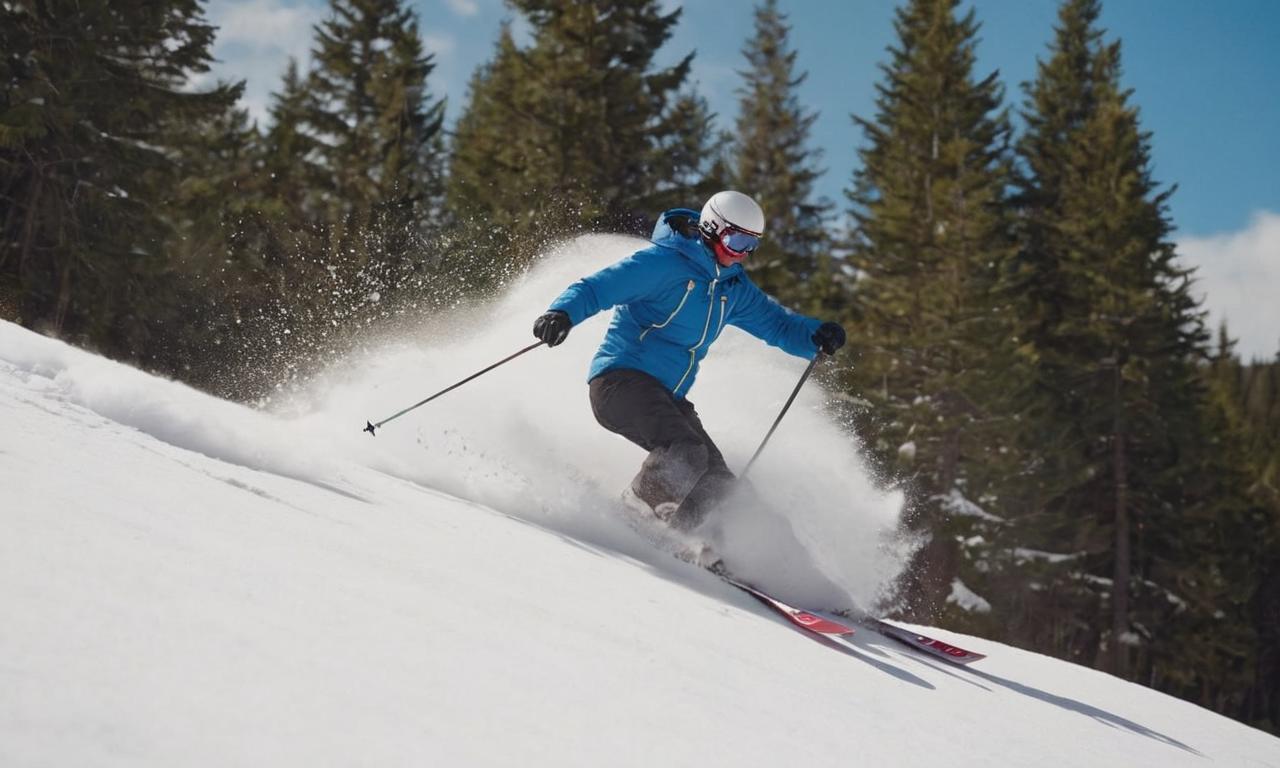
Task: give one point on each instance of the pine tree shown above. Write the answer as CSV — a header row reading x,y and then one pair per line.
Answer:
x,y
292,156
1224,657
379,141
776,166
216,258
334,227
577,131
1255,390
489,186
1114,338
691,161
931,233
97,95
1058,104
220,162
291,222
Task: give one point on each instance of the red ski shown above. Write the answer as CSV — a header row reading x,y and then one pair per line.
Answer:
x,y
808,620
821,625
801,618
922,643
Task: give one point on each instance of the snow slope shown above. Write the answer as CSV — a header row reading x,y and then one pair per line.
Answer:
x,y
184,581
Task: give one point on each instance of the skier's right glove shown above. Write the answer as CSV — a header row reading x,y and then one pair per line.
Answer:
x,y
553,327
829,337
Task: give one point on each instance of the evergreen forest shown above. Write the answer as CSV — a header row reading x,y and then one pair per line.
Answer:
x,y
1095,471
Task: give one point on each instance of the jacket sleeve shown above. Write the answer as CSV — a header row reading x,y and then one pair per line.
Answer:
x,y
762,316
635,277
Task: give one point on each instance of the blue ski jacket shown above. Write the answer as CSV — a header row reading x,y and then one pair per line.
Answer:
x,y
673,299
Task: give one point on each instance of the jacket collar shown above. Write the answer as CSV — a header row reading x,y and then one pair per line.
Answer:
x,y
677,229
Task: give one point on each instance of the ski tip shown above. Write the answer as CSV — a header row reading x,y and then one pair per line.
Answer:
x,y
368,427
929,645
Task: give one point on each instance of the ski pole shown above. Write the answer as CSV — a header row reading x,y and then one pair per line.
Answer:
x,y
370,426
803,378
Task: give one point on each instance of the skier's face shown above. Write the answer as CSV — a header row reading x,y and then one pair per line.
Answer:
x,y
733,245
726,257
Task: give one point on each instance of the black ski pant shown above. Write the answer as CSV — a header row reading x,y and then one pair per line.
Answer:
x,y
684,467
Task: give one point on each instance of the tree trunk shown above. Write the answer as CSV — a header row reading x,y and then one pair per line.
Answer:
x,y
63,304
1120,585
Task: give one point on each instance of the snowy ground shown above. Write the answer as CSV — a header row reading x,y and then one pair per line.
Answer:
x,y
187,582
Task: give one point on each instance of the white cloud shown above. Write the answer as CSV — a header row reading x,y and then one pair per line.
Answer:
x,y
1238,275
255,40
265,24
464,7
440,45
713,75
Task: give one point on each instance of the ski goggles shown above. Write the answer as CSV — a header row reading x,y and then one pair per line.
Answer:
x,y
739,241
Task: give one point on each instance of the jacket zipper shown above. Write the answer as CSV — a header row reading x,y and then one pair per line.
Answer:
x,y
720,327
688,290
693,352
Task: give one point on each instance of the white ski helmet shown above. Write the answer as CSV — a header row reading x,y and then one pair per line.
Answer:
x,y
731,210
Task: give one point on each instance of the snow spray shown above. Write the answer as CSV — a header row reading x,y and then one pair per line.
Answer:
x,y
523,439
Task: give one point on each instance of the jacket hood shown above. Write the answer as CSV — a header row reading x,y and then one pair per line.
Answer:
x,y
677,229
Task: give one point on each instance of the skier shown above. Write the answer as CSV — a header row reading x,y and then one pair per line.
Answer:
x,y
673,299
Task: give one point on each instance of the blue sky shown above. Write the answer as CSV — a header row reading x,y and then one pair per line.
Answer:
x,y
1204,76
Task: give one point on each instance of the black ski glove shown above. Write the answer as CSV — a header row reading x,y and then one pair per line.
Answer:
x,y
829,337
553,327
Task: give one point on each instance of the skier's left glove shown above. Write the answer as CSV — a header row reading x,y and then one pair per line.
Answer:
x,y
553,327
829,337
